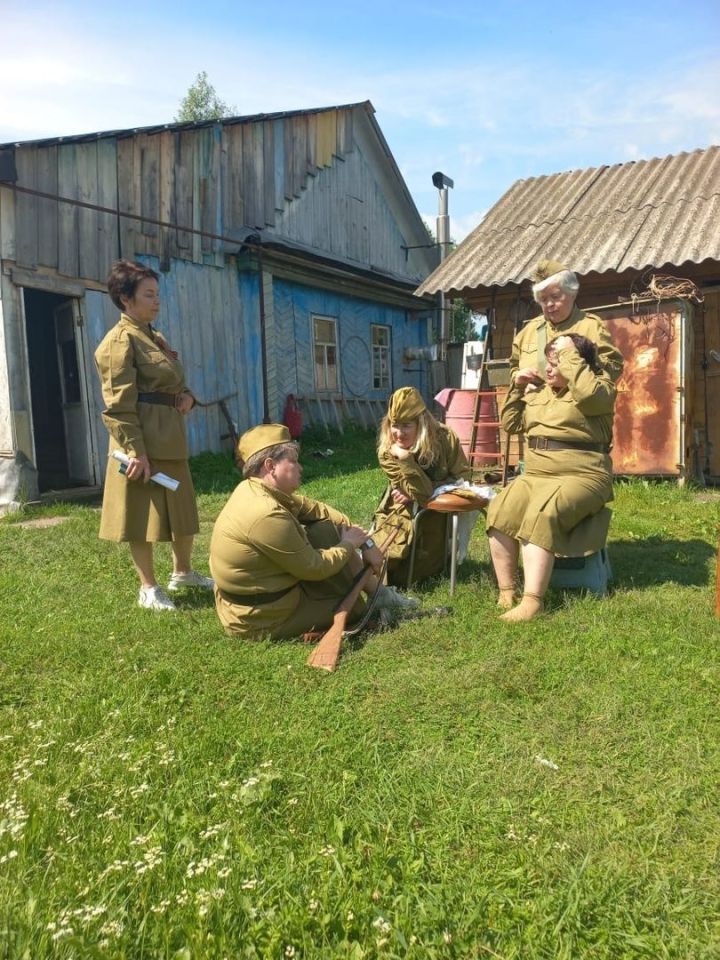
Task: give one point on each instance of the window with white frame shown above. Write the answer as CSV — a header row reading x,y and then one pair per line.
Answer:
x,y
325,353
381,356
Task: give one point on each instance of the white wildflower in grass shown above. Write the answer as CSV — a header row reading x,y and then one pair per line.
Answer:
x,y
251,781
382,925
138,791
182,898
109,814
349,916
10,855
224,872
151,859
124,756
224,784
197,867
511,834
40,762
313,905
327,851
160,907
266,764
140,841
113,928
21,770
249,884
115,867
292,802
35,724
213,831
382,942
447,937
13,818
204,899
289,950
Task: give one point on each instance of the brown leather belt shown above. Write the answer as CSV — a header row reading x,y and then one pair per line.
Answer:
x,y
165,399
254,599
545,443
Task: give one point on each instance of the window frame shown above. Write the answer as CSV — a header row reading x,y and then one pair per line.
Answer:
x,y
387,348
325,345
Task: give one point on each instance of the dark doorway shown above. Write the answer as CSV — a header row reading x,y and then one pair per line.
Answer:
x,y
58,412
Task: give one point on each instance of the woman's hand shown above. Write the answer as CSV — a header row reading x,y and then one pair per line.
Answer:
x,y
184,402
354,535
138,469
400,497
529,375
400,453
373,558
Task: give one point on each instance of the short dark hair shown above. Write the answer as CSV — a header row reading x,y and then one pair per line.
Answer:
x,y
125,277
254,464
585,347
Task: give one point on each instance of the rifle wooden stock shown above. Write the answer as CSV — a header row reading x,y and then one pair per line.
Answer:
x,y
326,654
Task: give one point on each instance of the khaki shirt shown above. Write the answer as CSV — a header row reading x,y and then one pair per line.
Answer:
x,y
259,544
582,412
525,345
129,361
418,482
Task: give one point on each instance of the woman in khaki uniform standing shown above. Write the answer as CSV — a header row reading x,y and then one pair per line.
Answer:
x,y
146,400
417,454
556,506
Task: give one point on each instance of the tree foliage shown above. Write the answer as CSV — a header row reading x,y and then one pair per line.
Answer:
x,y
201,102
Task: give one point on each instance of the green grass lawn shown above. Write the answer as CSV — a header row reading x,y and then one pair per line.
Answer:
x,y
459,788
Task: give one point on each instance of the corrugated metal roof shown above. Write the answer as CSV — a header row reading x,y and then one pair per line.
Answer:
x,y
629,215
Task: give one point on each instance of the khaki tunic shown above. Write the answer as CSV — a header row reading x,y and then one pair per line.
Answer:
x,y
262,544
418,483
529,344
129,361
558,502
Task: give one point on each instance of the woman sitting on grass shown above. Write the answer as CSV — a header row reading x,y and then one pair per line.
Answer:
x,y
556,506
417,454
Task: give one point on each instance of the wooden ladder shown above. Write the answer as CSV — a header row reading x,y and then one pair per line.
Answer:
x,y
499,457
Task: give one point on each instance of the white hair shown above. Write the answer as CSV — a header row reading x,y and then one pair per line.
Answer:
x,y
565,279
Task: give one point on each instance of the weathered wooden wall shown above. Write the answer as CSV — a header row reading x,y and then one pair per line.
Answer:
x,y
309,177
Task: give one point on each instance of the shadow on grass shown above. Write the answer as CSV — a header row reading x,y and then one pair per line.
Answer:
x,y
645,563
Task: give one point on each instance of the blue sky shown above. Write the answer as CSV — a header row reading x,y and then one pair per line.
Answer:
x,y
486,92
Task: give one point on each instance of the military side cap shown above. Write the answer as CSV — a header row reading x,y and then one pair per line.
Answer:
x,y
260,437
546,268
405,404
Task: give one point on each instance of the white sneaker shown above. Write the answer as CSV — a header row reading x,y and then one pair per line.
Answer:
x,y
155,598
191,579
390,598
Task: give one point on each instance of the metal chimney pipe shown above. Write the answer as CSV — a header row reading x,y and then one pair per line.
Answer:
x,y
442,231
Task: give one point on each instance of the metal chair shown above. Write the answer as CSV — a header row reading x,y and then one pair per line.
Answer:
x,y
452,504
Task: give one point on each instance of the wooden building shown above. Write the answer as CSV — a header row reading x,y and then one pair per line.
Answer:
x,y
289,250
618,227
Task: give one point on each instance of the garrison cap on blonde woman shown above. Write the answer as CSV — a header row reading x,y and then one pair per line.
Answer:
x,y
405,404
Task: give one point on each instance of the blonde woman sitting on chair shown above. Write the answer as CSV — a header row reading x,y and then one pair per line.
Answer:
x,y
417,454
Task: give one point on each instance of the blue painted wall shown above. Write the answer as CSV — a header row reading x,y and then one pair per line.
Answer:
x,y
294,307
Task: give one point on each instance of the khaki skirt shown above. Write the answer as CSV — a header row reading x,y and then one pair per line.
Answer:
x,y
147,512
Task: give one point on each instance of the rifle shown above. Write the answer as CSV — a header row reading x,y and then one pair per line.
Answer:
x,y
326,654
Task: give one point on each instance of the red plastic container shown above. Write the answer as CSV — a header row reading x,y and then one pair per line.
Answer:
x,y
459,406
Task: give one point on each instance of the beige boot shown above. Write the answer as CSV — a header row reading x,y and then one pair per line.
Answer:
x,y
529,607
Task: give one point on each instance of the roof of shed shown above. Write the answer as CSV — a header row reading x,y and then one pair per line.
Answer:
x,y
626,216
187,125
